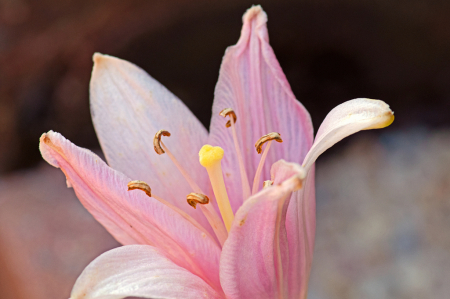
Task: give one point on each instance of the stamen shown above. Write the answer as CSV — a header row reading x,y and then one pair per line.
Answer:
x,y
267,183
157,141
210,158
232,123
143,186
228,112
194,198
266,138
207,209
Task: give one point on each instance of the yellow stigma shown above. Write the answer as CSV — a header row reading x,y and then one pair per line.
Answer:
x,y
210,155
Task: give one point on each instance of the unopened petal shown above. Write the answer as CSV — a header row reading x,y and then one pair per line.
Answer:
x,y
138,271
131,216
128,108
347,119
255,257
252,83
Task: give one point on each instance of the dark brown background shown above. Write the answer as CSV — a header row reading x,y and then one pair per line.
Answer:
x,y
331,51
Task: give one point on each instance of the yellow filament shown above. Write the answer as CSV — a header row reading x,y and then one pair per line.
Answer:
x,y
210,158
208,210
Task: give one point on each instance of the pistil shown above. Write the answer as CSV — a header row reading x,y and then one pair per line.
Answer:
x,y
210,158
232,123
266,138
207,209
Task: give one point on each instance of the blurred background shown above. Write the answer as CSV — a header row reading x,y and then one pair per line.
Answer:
x,y
383,197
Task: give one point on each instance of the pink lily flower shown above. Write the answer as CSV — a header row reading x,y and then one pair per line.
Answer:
x,y
242,241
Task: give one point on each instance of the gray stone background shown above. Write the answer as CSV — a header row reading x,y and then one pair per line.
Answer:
x,y
383,198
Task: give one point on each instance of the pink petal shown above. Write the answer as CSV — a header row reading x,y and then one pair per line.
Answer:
x,y
138,271
128,108
255,257
300,227
130,216
346,119
252,83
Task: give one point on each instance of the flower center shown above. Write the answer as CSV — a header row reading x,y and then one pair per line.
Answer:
x,y
210,157
198,196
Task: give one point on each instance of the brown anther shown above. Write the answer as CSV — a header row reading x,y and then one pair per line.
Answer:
x,y
228,112
157,141
194,198
265,138
267,183
133,185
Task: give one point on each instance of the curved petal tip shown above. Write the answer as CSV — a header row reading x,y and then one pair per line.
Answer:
x,y
100,59
257,12
104,62
97,57
385,118
346,119
45,140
